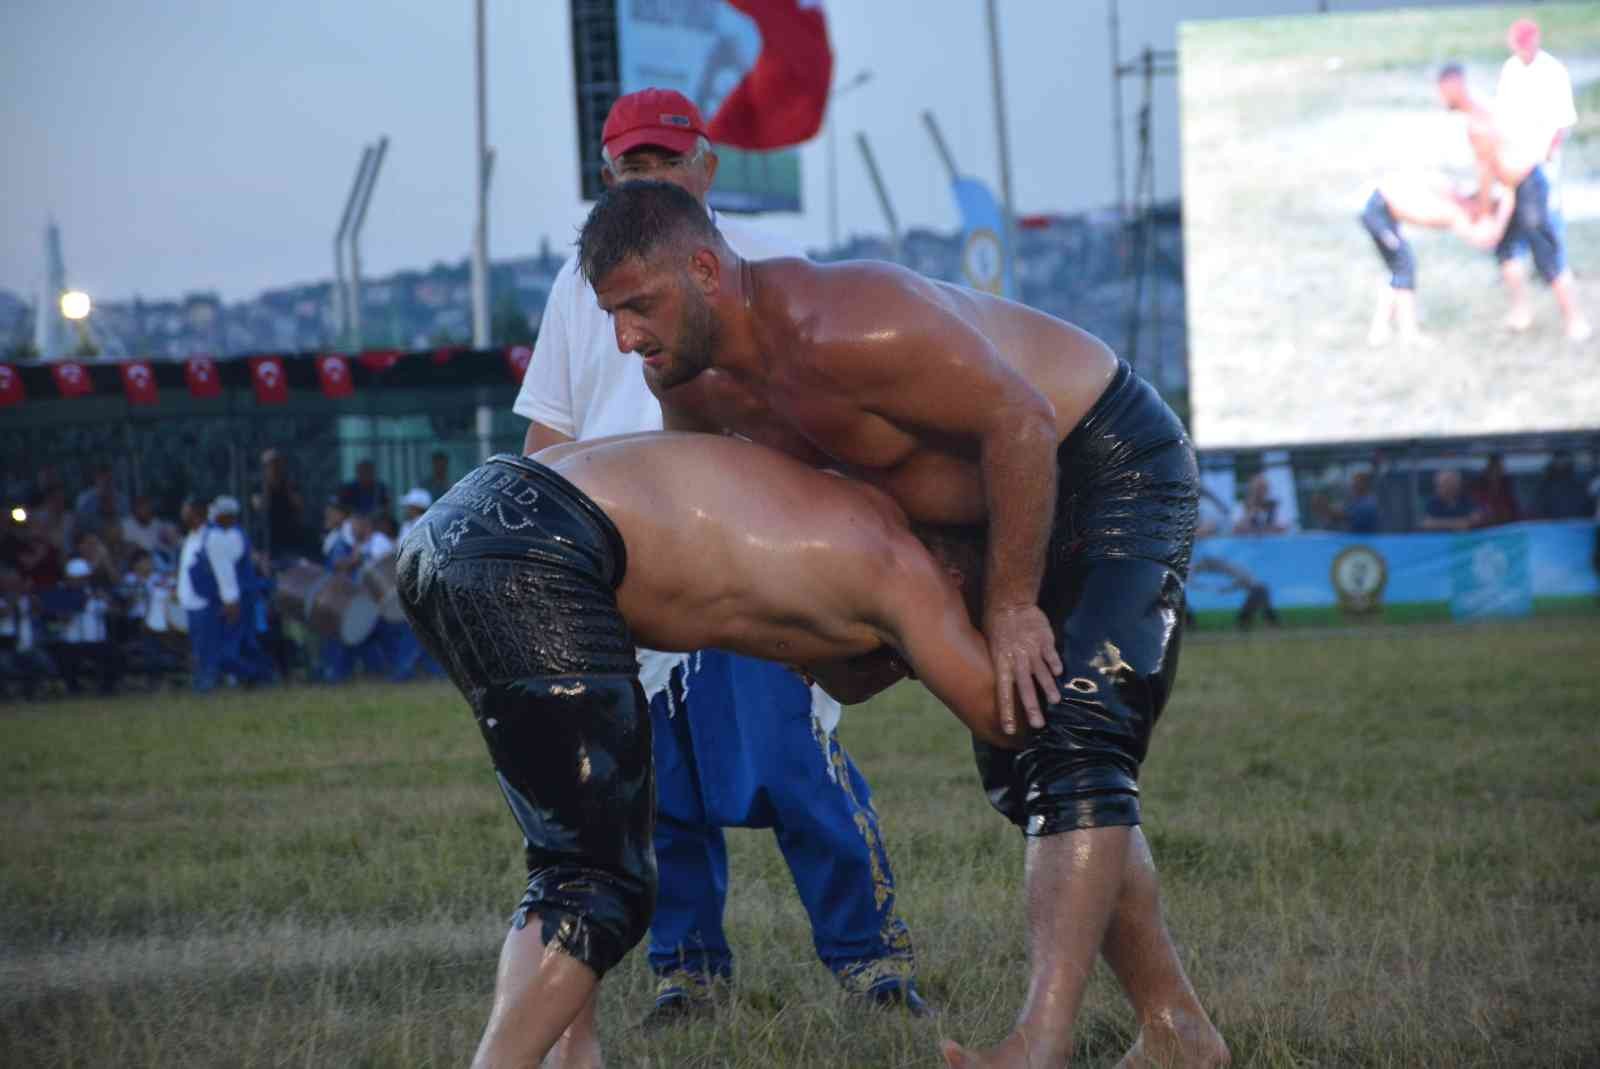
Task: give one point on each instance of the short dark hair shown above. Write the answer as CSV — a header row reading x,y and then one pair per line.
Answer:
x,y
1453,69
636,218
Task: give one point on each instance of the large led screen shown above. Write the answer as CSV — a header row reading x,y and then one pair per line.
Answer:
x,y
1392,223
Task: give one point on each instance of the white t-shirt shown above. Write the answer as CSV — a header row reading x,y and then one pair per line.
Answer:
x,y
88,625
188,598
1531,102
379,546
157,534
580,384
224,548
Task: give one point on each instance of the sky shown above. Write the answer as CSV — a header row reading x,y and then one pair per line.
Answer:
x,y
208,145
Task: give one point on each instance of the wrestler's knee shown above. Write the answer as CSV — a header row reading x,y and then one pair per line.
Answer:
x,y
572,754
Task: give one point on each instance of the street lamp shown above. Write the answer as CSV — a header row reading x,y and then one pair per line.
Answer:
x,y
75,304
862,78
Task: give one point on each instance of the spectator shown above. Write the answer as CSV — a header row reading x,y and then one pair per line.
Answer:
x,y
22,636
1257,514
1559,494
280,501
440,480
366,494
1449,509
337,541
37,557
101,500
53,521
1322,514
1494,495
1361,507
86,639
416,502
240,589
92,549
1533,99
143,529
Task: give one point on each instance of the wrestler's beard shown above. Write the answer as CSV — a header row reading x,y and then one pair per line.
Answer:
x,y
698,335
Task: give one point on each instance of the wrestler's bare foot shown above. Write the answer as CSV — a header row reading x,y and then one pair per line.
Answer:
x,y
1178,1041
1012,1053
1580,331
1518,320
1378,336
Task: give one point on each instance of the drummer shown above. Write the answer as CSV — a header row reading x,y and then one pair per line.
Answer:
x,y
349,543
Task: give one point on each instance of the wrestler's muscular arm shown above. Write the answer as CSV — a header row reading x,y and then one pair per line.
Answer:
x,y
937,377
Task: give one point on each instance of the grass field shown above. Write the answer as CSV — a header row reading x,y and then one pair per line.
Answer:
x,y
1380,849
1288,124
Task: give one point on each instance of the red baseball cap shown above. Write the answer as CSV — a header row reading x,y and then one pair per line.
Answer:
x,y
659,117
1524,33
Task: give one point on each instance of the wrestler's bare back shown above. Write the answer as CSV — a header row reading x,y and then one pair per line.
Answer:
x,y
823,318
735,546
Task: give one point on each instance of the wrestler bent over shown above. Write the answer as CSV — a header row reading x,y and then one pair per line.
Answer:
x,y
520,581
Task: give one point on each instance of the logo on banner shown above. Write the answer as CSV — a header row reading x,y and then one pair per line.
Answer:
x,y
983,261
1359,575
1489,576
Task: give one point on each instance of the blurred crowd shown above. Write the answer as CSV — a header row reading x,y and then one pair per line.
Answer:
x,y
99,592
1376,500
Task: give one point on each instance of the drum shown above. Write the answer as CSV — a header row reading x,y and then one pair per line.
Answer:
x,y
330,604
378,580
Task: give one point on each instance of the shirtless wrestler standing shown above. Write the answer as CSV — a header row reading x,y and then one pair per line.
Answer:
x,y
1515,160
970,410
530,580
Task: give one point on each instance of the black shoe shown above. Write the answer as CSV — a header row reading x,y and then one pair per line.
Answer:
x,y
896,994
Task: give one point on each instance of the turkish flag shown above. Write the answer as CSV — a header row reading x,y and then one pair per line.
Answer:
x,y
266,375
517,358
11,391
139,382
72,378
334,371
380,359
781,100
201,372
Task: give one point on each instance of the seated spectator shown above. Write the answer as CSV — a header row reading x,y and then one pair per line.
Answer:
x,y
1449,509
1257,514
90,547
337,541
85,644
23,658
1322,514
53,521
143,529
416,502
37,557
439,480
1494,495
1361,507
102,500
1559,494
366,493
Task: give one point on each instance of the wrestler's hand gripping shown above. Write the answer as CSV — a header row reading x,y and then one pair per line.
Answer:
x,y
1023,648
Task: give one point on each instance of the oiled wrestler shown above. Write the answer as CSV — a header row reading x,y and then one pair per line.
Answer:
x,y
531,580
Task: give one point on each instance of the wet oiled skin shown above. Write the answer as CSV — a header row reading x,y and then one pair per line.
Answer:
x,y
801,410
734,546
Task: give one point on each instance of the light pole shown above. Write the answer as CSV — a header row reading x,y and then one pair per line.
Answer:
x,y
861,78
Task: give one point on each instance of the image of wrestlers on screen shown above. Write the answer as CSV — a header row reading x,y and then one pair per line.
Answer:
x,y
1391,222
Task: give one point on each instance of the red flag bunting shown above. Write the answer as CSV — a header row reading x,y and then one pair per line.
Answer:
x,y
334,371
139,382
11,391
266,374
72,378
381,359
517,358
782,99
201,373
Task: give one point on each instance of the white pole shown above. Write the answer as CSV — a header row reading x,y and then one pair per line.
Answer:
x,y
356,227
1001,137
480,243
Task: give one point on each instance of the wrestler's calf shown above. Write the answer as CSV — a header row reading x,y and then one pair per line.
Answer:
x,y
572,755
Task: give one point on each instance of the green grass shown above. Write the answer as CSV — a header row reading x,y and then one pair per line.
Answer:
x,y
1380,847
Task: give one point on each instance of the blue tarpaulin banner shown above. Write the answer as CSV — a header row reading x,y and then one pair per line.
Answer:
x,y
1516,570
983,239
